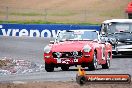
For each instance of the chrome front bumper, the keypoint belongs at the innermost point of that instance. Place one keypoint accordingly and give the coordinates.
(123, 48)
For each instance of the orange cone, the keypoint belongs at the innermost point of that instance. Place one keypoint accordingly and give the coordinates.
(81, 71)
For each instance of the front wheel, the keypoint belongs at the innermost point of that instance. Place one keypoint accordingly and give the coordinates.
(49, 67)
(107, 64)
(94, 64)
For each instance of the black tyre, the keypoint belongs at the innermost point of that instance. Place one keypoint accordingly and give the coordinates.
(49, 67)
(94, 64)
(65, 68)
(107, 64)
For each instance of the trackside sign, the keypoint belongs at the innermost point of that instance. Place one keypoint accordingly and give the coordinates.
(38, 30)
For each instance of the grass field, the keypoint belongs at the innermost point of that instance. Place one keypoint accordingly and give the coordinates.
(61, 11)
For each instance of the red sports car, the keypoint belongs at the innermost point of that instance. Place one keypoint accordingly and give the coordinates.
(77, 47)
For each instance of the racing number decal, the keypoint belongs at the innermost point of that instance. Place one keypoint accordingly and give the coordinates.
(103, 52)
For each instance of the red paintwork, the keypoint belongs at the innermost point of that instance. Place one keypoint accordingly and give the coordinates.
(129, 8)
(69, 46)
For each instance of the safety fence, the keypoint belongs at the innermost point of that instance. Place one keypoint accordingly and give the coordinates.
(88, 15)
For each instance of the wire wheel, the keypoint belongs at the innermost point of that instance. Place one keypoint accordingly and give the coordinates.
(107, 64)
(94, 64)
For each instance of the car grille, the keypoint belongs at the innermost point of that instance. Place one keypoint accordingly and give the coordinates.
(67, 54)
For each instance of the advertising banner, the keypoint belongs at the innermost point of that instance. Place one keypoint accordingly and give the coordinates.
(40, 30)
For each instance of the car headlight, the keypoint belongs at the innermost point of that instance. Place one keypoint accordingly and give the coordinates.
(87, 48)
(47, 49)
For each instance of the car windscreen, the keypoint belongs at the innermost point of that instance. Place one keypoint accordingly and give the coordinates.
(78, 35)
(119, 27)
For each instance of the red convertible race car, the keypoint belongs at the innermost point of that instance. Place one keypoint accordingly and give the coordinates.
(77, 47)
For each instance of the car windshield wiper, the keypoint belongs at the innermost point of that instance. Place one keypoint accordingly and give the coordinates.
(119, 32)
(79, 40)
(113, 33)
(125, 32)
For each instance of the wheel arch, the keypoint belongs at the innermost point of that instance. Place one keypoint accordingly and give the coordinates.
(95, 50)
(110, 54)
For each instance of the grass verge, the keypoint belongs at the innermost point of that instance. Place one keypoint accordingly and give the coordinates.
(46, 22)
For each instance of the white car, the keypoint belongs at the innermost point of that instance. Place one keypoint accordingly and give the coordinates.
(119, 33)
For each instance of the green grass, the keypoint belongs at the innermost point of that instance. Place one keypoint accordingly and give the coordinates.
(75, 12)
(27, 14)
(66, 13)
(23, 14)
(43, 22)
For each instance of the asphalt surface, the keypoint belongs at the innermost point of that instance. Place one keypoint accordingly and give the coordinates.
(32, 49)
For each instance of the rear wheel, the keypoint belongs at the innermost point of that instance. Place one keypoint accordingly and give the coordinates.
(49, 67)
(107, 64)
(94, 64)
(65, 68)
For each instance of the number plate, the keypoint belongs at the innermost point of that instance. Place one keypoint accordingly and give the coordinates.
(66, 61)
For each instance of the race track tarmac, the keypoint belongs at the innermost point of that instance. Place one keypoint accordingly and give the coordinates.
(31, 49)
